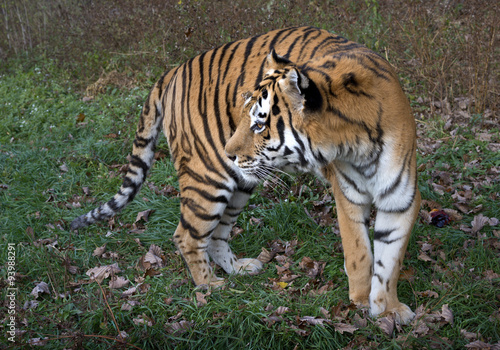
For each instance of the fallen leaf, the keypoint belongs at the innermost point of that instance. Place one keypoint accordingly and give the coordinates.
(179, 327)
(30, 304)
(144, 215)
(478, 344)
(102, 272)
(282, 285)
(40, 288)
(314, 321)
(143, 319)
(129, 292)
(152, 258)
(118, 282)
(99, 251)
(428, 294)
(343, 327)
(265, 256)
(200, 298)
(64, 168)
(281, 310)
(469, 335)
(38, 341)
(447, 314)
(129, 305)
(386, 324)
(478, 223)
(80, 118)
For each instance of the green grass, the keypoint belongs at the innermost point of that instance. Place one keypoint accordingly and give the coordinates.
(52, 145)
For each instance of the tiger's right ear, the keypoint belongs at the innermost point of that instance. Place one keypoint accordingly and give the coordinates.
(275, 61)
(246, 96)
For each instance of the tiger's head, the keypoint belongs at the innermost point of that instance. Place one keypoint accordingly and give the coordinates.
(271, 134)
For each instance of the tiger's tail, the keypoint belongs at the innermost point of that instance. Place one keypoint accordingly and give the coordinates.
(140, 162)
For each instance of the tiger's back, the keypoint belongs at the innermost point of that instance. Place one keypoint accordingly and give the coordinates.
(199, 104)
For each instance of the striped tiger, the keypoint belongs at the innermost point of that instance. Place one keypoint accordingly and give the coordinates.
(296, 99)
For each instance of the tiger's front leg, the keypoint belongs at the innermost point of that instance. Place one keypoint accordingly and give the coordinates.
(358, 260)
(392, 232)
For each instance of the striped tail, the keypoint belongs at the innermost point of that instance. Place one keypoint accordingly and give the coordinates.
(141, 160)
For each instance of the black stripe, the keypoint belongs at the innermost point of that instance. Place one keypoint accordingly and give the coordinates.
(390, 190)
(378, 234)
(206, 195)
(380, 279)
(217, 114)
(326, 42)
(139, 163)
(350, 181)
(241, 76)
(192, 231)
(230, 59)
(305, 41)
(142, 142)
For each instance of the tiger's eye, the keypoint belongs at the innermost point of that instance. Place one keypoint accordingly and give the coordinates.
(264, 94)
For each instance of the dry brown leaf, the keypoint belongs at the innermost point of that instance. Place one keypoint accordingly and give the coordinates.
(179, 327)
(281, 310)
(493, 222)
(425, 257)
(265, 256)
(387, 324)
(269, 321)
(129, 292)
(420, 329)
(143, 319)
(118, 282)
(478, 344)
(129, 305)
(344, 327)
(469, 335)
(447, 314)
(360, 322)
(99, 251)
(102, 272)
(200, 298)
(40, 288)
(38, 341)
(478, 223)
(64, 168)
(153, 258)
(144, 215)
(428, 294)
(314, 321)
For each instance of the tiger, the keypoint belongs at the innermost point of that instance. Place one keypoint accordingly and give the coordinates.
(296, 99)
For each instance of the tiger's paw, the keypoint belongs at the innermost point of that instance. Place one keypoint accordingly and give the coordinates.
(360, 302)
(402, 313)
(215, 282)
(247, 266)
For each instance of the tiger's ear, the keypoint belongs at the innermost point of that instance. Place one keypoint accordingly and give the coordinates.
(275, 61)
(246, 96)
(294, 84)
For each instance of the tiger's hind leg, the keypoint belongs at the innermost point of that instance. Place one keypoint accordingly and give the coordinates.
(392, 232)
(218, 247)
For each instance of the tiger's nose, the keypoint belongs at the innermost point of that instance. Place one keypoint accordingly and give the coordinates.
(231, 157)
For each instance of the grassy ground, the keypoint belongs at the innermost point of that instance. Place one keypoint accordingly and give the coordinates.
(61, 155)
